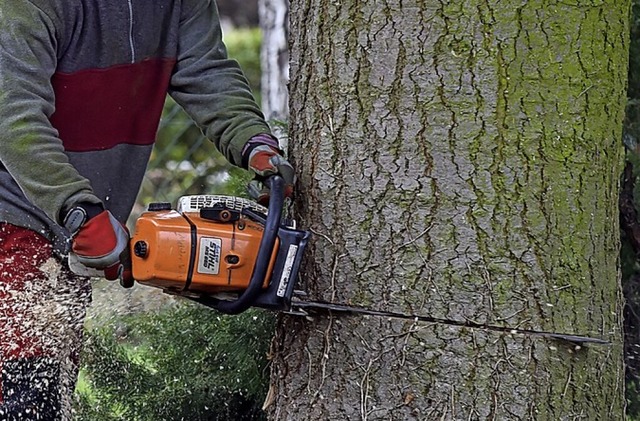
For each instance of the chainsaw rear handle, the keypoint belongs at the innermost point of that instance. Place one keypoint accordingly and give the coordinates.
(267, 244)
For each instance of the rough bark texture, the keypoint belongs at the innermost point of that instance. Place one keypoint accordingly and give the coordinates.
(459, 159)
(274, 57)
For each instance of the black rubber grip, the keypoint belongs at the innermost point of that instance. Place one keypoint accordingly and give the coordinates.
(267, 244)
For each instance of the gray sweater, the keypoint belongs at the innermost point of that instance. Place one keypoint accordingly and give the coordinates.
(82, 84)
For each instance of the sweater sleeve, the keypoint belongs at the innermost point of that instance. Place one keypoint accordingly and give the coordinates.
(30, 148)
(211, 87)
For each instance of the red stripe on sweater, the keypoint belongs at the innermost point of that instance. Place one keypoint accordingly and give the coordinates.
(97, 109)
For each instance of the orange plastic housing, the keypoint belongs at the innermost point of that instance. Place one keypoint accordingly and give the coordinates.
(186, 252)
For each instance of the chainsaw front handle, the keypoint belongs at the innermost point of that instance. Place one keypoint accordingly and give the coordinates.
(272, 224)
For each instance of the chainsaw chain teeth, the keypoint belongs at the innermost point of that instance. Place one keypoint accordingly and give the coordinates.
(197, 202)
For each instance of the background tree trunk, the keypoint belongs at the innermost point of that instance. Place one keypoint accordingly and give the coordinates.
(274, 22)
(458, 159)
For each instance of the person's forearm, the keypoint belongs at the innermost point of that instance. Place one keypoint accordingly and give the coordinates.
(211, 87)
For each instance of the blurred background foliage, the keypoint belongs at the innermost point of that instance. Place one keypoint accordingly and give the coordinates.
(184, 363)
(149, 356)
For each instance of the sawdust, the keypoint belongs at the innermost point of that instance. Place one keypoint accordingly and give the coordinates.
(49, 309)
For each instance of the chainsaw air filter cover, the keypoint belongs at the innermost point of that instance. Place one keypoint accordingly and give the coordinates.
(207, 245)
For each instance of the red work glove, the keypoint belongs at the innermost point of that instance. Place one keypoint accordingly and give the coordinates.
(102, 242)
(265, 159)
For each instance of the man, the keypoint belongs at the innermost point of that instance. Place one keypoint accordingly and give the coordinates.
(82, 84)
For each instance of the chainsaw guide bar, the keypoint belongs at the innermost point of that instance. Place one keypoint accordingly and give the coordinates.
(307, 308)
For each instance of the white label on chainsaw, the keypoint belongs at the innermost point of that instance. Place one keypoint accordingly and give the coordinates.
(286, 270)
(209, 256)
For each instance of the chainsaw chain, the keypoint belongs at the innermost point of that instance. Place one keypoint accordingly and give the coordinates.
(307, 308)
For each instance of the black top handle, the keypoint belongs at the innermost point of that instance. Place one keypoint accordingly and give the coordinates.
(267, 244)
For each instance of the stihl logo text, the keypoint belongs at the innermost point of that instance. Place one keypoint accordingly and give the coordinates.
(209, 256)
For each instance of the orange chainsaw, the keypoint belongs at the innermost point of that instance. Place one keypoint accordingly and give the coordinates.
(224, 252)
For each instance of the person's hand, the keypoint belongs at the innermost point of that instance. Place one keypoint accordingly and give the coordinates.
(266, 160)
(102, 242)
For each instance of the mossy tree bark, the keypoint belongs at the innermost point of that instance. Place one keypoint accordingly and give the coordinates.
(457, 159)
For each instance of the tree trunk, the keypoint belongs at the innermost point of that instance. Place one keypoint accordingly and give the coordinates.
(461, 160)
(274, 57)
